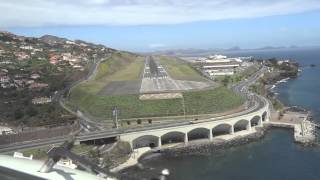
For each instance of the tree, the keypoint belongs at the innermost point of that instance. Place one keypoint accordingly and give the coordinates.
(31, 111)
(18, 114)
(226, 80)
(273, 61)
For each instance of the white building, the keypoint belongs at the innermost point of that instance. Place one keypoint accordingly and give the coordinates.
(41, 100)
(220, 71)
(219, 65)
(217, 56)
(26, 47)
(35, 76)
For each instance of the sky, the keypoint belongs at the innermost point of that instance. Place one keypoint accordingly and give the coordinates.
(149, 25)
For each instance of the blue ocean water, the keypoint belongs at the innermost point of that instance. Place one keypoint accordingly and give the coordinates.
(276, 157)
(304, 90)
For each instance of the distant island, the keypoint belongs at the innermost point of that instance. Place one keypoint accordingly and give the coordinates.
(205, 52)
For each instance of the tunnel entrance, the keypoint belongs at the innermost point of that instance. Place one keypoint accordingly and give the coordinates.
(100, 142)
(145, 141)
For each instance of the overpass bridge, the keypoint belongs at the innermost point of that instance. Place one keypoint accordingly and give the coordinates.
(207, 129)
(156, 135)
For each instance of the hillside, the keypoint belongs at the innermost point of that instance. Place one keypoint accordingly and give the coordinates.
(34, 72)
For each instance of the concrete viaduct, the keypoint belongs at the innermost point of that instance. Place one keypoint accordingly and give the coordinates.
(198, 130)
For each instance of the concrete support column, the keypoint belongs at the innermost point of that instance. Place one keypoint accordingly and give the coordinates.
(232, 130)
(249, 126)
(186, 138)
(159, 142)
(77, 142)
(260, 123)
(267, 117)
(210, 135)
(131, 144)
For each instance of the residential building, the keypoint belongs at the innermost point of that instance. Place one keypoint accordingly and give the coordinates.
(4, 79)
(35, 76)
(22, 56)
(41, 100)
(53, 58)
(38, 86)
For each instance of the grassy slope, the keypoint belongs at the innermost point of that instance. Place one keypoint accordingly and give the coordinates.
(198, 102)
(120, 67)
(211, 101)
(123, 66)
(86, 99)
(179, 69)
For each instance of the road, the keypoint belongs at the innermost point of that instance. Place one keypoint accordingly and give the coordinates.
(87, 125)
(254, 102)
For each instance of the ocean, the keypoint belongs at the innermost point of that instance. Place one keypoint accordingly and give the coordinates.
(274, 157)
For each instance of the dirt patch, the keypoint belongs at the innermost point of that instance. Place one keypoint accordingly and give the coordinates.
(160, 96)
(121, 88)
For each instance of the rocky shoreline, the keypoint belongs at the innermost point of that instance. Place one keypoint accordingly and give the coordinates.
(205, 148)
(209, 147)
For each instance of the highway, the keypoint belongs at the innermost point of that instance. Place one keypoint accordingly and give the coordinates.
(254, 103)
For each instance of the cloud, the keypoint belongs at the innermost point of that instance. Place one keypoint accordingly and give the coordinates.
(38, 13)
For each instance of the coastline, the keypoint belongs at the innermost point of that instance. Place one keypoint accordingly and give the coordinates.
(209, 147)
(284, 80)
(195, 148)
(206, 147)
